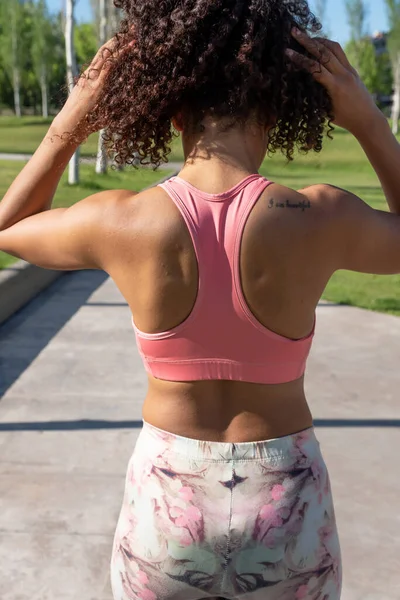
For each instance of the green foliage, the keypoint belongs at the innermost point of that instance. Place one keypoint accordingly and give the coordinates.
(374, 69)
(384, 85)
(39, 52)
(37, 46)
(85, 43)
(42, 43)
(361, 53)
(14, 30)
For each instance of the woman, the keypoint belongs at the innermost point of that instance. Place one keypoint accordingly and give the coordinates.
(227, 493)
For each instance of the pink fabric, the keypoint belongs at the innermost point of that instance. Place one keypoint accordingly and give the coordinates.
(221, 339)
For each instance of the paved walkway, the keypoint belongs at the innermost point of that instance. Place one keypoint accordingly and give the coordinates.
(72, 387)
(175, 166)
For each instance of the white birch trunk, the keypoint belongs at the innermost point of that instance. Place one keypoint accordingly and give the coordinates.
(113, 22)
(101, 161)
(17, 95)
(396, 97)
(113, 19)
(72, 71)
(15, 66)
(43, 89)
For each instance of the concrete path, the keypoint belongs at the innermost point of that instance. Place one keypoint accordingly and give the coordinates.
(175, 166)
(72, 386)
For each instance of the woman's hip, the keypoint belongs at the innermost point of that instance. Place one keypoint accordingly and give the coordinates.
(227, 519)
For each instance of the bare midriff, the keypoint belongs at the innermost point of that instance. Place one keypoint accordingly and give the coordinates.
(227, 411)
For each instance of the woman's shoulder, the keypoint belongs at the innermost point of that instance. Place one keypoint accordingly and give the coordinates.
(319, 201)
(311, 202)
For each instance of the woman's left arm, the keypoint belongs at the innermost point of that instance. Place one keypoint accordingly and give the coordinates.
(33, 189)
(69, 238)
(60, 238)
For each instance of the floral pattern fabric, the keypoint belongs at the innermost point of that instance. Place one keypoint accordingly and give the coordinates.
(247, 521)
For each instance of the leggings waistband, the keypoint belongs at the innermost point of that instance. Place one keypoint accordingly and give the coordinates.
(288, 448)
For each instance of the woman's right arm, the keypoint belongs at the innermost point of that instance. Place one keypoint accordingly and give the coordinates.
(383, 152)
(358, 237)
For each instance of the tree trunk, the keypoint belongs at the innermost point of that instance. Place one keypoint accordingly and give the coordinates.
(17, 94)
(396, 97)
(73, 169)
(101, 161)
(43, 89)
(72, 71)
(113, 20)
(15, 66)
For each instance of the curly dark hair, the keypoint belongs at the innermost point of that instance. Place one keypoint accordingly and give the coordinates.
(224, 58)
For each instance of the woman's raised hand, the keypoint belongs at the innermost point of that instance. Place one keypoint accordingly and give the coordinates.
(353, 106)
(89, 87)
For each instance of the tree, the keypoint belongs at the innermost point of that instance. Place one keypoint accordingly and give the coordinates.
(114, 19)
(42, 50)
(356, 17)
(361, 53)
(385, 76)
(113, 16)
(11, 46)
(113, 22)
(356, 11)
(101, 161)
(6, 91)
(86, 43)
(366, 54)
(393, 8)
(107, 19)
(58, 70)
(72, 72)
(32, 63)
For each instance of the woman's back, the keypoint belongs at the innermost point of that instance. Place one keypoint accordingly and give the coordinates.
(284, 267)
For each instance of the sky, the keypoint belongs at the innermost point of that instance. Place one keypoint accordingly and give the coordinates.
(336, 17)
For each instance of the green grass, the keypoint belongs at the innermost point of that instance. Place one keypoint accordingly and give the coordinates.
(23, 136)
(341, 163)
(90, 184)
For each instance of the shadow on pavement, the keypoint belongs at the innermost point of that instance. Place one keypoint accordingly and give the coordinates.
(29, 331)
(88, 424)
(77, 424)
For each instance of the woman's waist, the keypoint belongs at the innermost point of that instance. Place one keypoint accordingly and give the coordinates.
(170, 452)
(224, 411)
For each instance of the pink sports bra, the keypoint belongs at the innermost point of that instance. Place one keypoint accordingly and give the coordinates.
(221, 338)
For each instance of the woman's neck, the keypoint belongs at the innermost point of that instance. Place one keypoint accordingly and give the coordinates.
(238, 151)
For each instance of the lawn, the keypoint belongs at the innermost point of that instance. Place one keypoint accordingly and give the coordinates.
(341, 163)
(23, 136)
(91, 183)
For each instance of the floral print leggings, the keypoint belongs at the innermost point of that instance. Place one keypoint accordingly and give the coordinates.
(247, 521)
